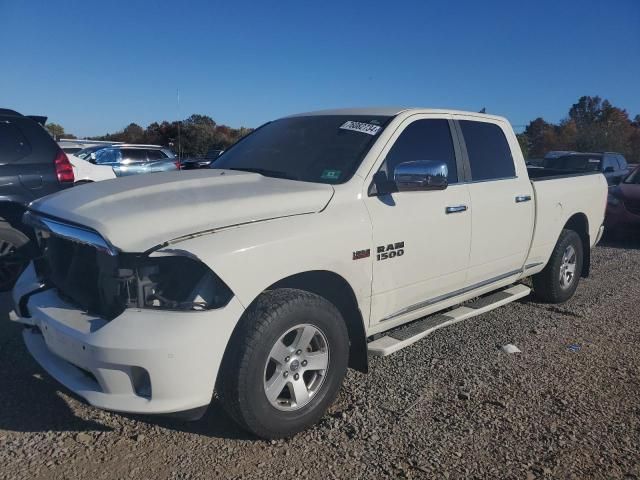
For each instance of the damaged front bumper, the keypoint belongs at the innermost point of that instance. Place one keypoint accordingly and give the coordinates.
(143, 361)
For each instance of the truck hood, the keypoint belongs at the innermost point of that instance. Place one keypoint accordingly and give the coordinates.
(139, 212)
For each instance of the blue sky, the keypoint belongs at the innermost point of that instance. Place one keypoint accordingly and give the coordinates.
(96, 66)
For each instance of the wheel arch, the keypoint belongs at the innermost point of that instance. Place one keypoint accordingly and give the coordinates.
(336, 290)
(579, 223)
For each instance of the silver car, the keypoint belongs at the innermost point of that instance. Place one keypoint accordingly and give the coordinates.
(130, 159)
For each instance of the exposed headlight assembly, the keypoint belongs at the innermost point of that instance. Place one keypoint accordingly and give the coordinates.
(172, 283)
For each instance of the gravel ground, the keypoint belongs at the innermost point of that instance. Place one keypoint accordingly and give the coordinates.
(453, 405)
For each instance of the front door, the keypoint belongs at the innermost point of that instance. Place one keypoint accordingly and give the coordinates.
(421, 239)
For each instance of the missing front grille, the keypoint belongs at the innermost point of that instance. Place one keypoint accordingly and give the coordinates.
(82, 276)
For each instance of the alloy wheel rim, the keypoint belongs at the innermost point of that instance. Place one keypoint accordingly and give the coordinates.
(568, 267)
(296, 367)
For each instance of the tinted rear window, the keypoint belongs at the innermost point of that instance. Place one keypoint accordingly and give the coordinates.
(13, 144)
(488, 150)
(155, 155)
(584, 163)
(134, 155)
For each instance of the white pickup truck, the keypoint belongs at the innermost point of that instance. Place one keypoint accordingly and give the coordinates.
(316, 240)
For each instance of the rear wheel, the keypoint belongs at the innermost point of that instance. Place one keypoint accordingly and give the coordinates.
(12, 259)
(286, 363)
(559, 280)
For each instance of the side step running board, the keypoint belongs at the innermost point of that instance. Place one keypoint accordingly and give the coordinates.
(408, 334)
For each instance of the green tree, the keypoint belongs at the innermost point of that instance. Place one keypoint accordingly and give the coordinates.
(56, 130)
(541, 136)
(523, 140)
(566, 134)
(133, 133)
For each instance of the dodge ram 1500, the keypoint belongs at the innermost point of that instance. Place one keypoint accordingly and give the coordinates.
(315, 241)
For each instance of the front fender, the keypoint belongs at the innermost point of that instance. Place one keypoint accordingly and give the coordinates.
(252, 257)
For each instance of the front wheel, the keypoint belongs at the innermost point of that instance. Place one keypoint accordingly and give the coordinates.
(558, 281)
(285, 364)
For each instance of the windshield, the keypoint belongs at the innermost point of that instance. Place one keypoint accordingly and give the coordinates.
(586, 163)
(634, 177)
(317, 148)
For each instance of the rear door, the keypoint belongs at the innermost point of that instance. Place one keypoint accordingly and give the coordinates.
(502, 216)
(134, 161)
(421, 239)
(158, 161)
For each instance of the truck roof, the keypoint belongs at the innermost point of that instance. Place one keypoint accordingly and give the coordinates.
(393, 111)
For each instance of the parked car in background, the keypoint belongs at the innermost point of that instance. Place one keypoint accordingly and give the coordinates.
(534, 162)
(131, 159)
(558, 153)
(70, 147)
(623, 204)
(612, 165)
(32, 165)
(316, 240)
(204, 162)
(73, 145)
(86, 172)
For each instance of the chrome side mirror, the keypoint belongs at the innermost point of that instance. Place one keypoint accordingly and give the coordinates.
(421, 175)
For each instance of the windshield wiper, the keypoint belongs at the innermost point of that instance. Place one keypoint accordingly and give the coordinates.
(266, 173)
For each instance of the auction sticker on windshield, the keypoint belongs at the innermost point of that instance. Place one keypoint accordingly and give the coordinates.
(367, 128)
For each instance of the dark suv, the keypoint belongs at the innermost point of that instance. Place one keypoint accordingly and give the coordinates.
(612, 165)
(201, 162)
(32, 165)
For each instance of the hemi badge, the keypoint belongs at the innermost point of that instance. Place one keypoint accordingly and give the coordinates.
(361, 254)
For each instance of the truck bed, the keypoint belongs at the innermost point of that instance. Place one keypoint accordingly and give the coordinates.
(556, 199)
(537, 174)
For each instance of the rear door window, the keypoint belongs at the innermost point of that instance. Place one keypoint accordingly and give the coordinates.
(13, 144)
(488, 150)
(136, 155)
(428, 139)
(155, 155)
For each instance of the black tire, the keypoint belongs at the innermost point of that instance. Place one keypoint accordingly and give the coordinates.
(547, 284)
(13, 245)
(245, 366)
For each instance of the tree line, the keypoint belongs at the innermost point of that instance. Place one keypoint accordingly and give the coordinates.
(592, 125)
(192, 137)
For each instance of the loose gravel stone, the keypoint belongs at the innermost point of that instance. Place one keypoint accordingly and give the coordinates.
(549, 412)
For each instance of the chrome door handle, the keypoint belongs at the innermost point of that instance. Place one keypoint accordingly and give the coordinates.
(455, 209)
(523, 198)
